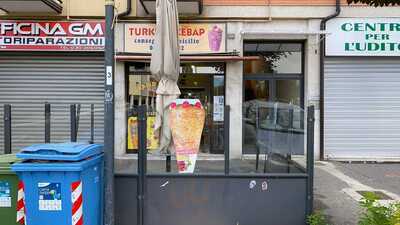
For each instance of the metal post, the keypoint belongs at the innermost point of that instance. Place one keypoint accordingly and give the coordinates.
(310, 159)
(109, 218)
(267, 161)
(78, 115)
(73, 122)
(91, 123)
(290, 135)
(168, 163)
(142, 158)
(47, 122)
(7, 129)
(257, 158)
(257, 146)
(226, 138)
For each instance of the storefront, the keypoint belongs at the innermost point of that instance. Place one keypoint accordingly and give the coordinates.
(202, 76)
(246, 66)
(57, 62)
(261, 78)
(361, 84)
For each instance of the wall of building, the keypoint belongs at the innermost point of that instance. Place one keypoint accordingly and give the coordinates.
(81, 8)
(290, 16)
(234, 72)
(283, 15)
(271, 2)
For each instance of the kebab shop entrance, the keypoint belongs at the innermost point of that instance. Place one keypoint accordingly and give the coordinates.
(201, 80)
(202, 76)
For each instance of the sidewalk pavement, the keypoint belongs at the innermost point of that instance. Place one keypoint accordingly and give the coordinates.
(336, 183)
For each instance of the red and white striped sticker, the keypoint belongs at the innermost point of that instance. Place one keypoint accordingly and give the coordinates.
(21, 204)
(77, 203)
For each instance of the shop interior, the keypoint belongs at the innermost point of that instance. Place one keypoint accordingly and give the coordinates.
(203, 81)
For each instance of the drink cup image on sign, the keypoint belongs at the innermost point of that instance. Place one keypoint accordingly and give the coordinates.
(215, 38)
(187, 121)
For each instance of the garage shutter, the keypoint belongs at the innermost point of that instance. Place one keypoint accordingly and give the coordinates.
(27, 82)
(362, 108)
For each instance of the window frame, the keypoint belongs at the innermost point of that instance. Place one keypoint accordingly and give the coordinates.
(146, 72)
(271, 78)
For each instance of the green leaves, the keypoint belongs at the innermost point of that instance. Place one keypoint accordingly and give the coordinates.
(376, 3)
(376, 214)
(317, 218)
(373, 213)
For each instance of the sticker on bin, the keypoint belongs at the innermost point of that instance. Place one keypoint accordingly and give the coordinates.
(50, 196)
(5, 194)
(77, 201)
(21, 204)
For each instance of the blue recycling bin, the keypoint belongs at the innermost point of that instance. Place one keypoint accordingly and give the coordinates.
(63, 183)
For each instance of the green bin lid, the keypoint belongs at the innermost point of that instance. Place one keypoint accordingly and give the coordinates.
(7, 160)
(5, 163)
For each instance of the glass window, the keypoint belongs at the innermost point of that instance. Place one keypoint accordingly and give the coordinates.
(288, 91)
(203, 68)
(203, 81)
(275, 58)
(186, 68)
(272, 99)
(256, 94)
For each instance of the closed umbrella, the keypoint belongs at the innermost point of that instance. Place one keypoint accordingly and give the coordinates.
(165, 66)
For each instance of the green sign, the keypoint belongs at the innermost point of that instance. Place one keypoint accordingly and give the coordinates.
(363, 37)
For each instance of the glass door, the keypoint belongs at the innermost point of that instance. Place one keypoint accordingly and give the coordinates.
(272, 93)
(256, 94)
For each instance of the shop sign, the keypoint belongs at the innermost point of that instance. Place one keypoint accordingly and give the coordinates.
(52, 35)
(363, 37)
(193, 38)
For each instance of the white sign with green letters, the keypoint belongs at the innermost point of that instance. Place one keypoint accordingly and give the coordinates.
(363, 37)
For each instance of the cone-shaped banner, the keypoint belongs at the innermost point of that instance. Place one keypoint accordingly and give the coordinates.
(187, 122)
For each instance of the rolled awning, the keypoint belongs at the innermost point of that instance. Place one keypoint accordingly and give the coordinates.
(187, 7)
(191, 58)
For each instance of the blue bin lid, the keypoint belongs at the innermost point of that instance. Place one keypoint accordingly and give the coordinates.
(60, 152)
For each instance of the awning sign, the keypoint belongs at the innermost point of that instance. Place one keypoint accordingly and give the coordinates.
(193, 38)
(52, 35)
(363, 37)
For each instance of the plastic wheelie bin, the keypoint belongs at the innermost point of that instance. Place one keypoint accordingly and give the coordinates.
(8, 190)
(63, 183)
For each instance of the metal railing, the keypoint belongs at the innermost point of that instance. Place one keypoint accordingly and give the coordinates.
(142, 160)
(75, 112)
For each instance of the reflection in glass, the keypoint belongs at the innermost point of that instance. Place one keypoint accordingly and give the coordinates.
(282, 58)
(272, 123)
(275, 127)
(288, 91)
(203, 68)
(256, 92)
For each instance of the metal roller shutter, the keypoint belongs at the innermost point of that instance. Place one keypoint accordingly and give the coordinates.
(362, 108)
(28, 81)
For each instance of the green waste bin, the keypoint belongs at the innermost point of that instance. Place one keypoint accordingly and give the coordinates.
(8, 190)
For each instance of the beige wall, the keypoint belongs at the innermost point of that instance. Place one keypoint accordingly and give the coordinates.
(272, 2)
(83, 8)
(94, 7)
